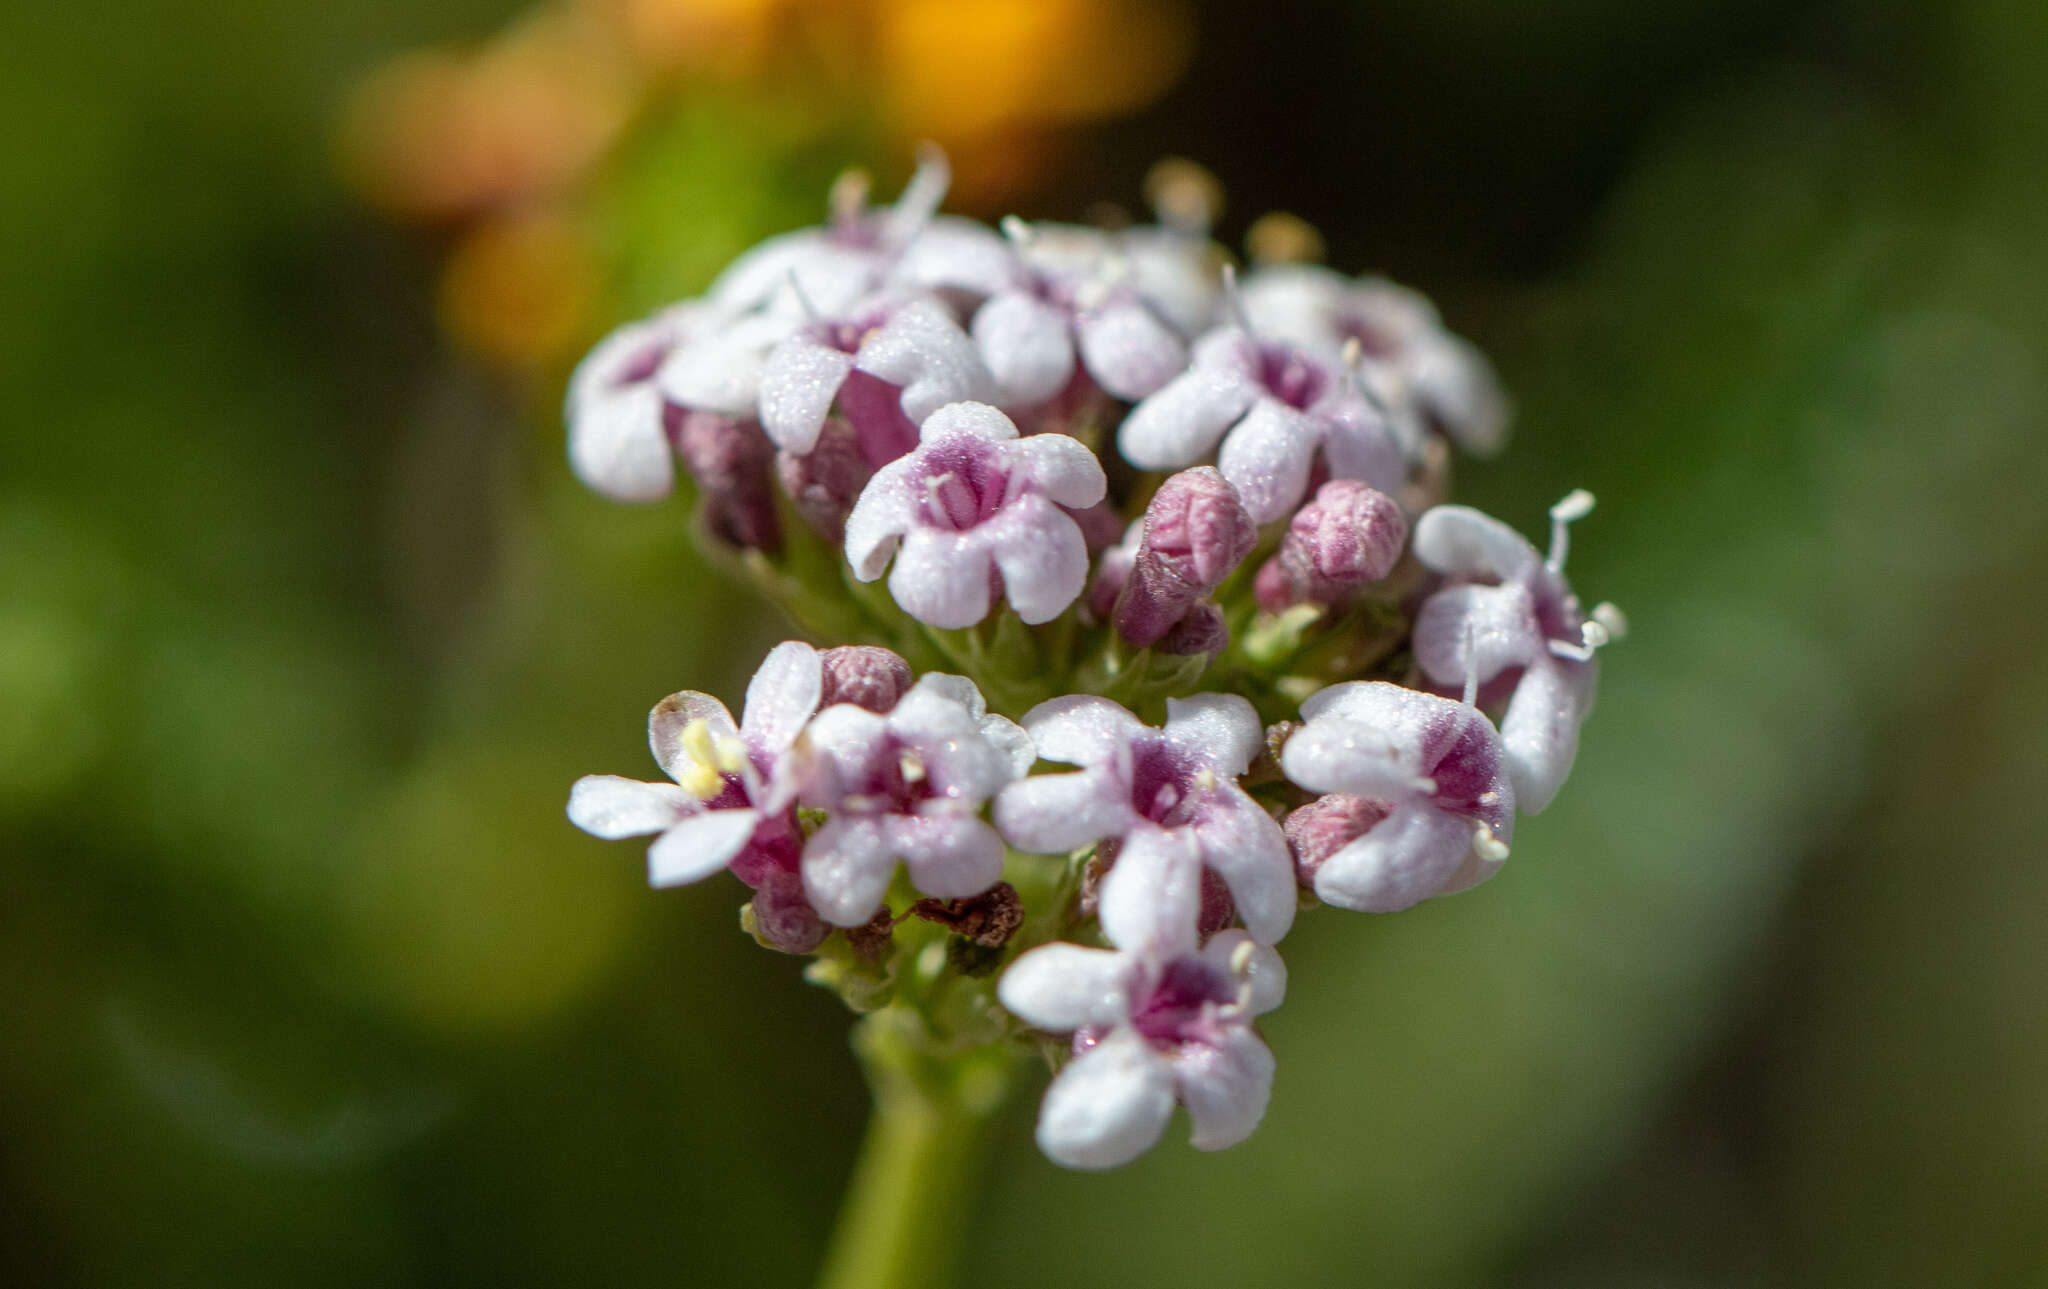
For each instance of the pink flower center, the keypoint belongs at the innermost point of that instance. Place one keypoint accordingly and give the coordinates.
(1291, 376)
(1175, 1009)
(965, 484)
(1162, 781)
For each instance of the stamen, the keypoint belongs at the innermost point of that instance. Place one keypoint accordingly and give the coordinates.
(1235, 302)
(1278, 237)
(912, 766)
(1241, 958)
(1488, 846)
(1576, 505)
(1612, 620)
(1205, 780)
(921, 197)
(1020, 233)
(849, 199)
(702, 779)
(803, 301)
(1184, 196)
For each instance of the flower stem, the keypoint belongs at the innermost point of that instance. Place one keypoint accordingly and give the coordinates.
(911, 1194)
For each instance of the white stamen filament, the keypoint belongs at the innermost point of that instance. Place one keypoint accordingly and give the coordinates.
(1577, 504)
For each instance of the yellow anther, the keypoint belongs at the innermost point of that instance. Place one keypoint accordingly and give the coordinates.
(701, 779)
(912, 766)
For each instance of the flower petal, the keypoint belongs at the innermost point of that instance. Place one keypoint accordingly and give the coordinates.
(847, 866)
(1540, 730)
(1081, 729)
(1263, 968)
(1061, 467)
(671, 716)
(607, 806)
(1360, 442)
(1130, 350)
(1225, 1087)
(884, 511)
(976, 418)
(1062, 987)
(1051, 814)
(1152, 893)
(1222, 729)
(1400, 861)
(699, 846)
(1249, 852)
(940, 578)
(1108, 1106)
(1042, 556)
(797, 388)
(783, 694)
(950, 855)
(617, 446)
(923, 350)
(1477, 631)
(1267, 457)
(1463, 542)
(1027, 345)
(1180, 423)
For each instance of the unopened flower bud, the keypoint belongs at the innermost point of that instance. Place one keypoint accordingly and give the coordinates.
(731, 462)
(1196, 533)
(824, 483)
(783, 919)
(1200, 630)
(1325, 826)
(1348, 536)
(864, 675)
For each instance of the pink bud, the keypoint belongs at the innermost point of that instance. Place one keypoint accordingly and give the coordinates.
(824, 483)
(1197, 529)
(1348, 536)
(864, 675)
(1196, 532)
(1200, 630)
(1325, 826)
(785, 919)
(731, 462)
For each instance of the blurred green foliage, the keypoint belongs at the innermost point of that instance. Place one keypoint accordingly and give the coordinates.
(303, 634)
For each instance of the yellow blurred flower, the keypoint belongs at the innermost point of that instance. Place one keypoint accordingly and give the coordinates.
(440, 134)
(520, 289)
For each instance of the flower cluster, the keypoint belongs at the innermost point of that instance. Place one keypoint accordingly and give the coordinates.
(1175, 634)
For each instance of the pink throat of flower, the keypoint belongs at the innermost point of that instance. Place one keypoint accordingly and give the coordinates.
(964, 484)
(1291, 376)
(1178, 1007)
(1163, 783)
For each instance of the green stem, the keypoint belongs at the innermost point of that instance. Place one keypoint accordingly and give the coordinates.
(912, 1191)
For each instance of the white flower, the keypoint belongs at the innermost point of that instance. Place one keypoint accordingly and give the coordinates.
(1401, 341)
(1075, 296)
(1156, 1020)
(618, 444)
(906, 785)
(729, 804)
(888, 363)
(1169, 796)
(974, 509)
(1441, 809)
(1273, 406)
(1508, 613)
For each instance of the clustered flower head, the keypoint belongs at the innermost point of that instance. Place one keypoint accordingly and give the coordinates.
(1150, 626)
